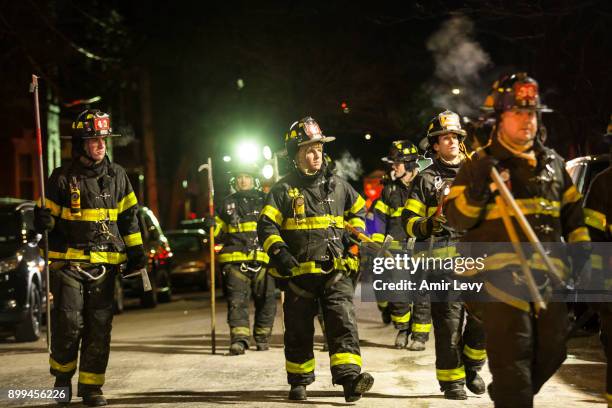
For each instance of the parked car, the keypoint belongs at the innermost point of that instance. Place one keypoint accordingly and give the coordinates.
(22, 279)
(583, 170)
(160, 262)
(191, 261)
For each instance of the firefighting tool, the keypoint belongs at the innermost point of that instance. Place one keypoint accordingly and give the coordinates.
(146, 283)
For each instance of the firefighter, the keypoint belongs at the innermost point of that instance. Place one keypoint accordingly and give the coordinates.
(302, 229)
(244, 262)
(91, 213)
(460, 353)
(598, 218)
(403, 158)
(524, 348)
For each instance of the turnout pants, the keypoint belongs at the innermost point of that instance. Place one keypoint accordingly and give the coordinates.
(414, 316)
(457, 348)
(605, 315)
(241, 283)
(82, 317)
(524, 351)
(303, 295)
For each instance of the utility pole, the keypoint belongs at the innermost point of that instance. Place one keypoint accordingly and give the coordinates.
(149, 143)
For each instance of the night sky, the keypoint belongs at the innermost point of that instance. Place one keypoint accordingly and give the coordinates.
(394, 67)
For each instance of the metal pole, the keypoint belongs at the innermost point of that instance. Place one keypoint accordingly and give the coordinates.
(211, 212)
(41, 177)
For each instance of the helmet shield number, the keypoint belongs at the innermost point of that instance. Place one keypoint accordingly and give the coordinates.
(450, 121)
(102, 124)
(312, 130)
(526, 93)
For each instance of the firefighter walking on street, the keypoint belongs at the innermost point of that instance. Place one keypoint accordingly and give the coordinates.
(244, 262)
(524, 347)
(406, 317)
(598, 218)
(91, 213)
(460, 353)
(302, 229)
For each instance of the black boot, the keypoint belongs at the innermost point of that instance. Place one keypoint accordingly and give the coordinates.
(64, 395)
(297, 393)
(354, 387)
(263, 346)
(474, 382)
(454, 391)
(385, 314)
(401, 340)
(92, 396)
(416, 345)
(237, 348)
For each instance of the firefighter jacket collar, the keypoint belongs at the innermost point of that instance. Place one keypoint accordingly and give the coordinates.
(94, 170)
(543, 156)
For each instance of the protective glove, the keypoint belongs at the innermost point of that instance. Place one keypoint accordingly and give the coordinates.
(137, 259)
(284, 260)
(480, 176)
(43, 220)
(433, 225)
(209, 222)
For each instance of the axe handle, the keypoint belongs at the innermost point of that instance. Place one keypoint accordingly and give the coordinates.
(361, 237)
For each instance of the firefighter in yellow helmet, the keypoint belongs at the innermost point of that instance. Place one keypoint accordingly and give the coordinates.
(302, 229)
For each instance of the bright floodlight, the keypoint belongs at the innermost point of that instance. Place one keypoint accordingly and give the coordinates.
(267, 152)
(248, 152)
(227, 158)
(368, 136)
(268, 171)
(456, 91)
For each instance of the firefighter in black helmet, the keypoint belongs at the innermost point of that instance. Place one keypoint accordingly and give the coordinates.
(91, 214)
(460, 352)
(244, 261)
(524, 347)
(404, 159)
(302, 229)
(598, 218)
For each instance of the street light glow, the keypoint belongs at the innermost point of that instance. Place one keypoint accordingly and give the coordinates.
(268, 171)
(456, 91)
(368, 136)
(267, 152)
(248, 152)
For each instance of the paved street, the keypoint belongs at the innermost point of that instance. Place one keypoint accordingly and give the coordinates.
(162, 358)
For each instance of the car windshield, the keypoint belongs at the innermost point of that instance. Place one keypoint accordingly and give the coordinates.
(184, 243)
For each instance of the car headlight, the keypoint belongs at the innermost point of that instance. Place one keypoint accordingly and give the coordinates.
(10, 264)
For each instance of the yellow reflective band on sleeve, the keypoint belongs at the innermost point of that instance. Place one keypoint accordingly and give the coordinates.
(464, 208)
(243, 257)
(410, 225)
(421, 327)
(382, 207)
(127, 202)
(62, 368)
(377, 237)
(382, 305)
(594, 219)
(243, 227)
(345, 358)
(133, 239)
(91, 378)
(357, 206)
(71, 254)
(56, 210)
(452, 374)
(416, 207)
(219, 225)
(357, 223)
(431, 211)
(273, 214)
(271, 240)
(596, 261)
(528, 206)
(397, 212)
(400, 319)
(474, 354)
(320, 222)
(503, 259)
(580, 234)
(240, 331)
(297, 368)
(570, 196)
(91, 214)
(455, 192)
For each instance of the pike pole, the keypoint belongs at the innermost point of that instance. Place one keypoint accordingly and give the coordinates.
(41, 177)
(211, 242)
(282, 293)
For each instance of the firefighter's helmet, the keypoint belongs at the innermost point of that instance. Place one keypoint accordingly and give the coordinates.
(442, 123)
(517, 91)
(402, 151)
(92, 123)
(303, 132)
(250, 169)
